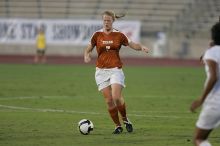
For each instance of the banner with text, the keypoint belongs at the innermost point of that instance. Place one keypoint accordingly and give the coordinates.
(63, 32)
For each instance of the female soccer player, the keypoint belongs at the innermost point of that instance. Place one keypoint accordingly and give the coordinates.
(109, 75)
(209, 117)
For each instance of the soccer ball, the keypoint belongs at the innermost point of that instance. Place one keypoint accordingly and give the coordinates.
(85, 126)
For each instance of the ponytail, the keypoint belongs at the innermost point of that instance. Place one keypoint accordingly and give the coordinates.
(120, 15)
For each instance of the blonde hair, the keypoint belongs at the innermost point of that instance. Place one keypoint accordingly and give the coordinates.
(113, 15)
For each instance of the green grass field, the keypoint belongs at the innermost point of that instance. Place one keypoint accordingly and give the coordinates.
(40, 105)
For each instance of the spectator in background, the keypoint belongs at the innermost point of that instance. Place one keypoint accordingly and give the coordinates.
(40, 56)
(185, 47)
(160, 45)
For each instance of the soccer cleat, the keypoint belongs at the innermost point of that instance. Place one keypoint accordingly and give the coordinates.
(118, 130)
(128, 126)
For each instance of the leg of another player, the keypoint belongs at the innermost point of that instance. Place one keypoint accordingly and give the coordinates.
(43, 58)
(201, 136)
(36, 58)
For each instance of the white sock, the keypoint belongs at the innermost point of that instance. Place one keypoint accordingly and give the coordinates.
(205, 143)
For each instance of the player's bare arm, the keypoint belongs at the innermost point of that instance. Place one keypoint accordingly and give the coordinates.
(210, 84)
(87, 53)
(138, 47)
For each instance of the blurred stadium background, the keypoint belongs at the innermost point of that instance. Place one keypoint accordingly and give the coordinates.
(184, 23)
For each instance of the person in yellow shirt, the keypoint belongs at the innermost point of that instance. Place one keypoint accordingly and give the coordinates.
(40, 56)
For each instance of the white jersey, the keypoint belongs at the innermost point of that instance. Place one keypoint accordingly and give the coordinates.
(213, 53)
(209, 117)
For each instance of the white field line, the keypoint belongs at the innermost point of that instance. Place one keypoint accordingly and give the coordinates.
(34, 97)
(162, 111)
(47, 110)
(90, 113)
(64, 96)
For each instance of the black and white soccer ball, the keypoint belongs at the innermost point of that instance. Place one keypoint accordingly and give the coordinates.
(85, 126)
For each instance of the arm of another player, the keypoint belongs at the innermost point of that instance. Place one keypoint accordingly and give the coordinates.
(138, 47)
(208, 87)
(87, 53)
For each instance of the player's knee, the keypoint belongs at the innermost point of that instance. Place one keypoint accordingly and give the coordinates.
(110, 103)
(205, 143)
(201, 142)
(118, 101)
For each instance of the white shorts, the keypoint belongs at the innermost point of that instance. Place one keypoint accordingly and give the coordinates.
(209, 117)
(107, 77)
